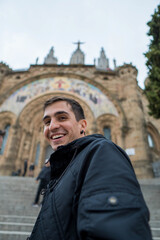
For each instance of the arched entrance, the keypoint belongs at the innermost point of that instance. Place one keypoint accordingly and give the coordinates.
(27, 104)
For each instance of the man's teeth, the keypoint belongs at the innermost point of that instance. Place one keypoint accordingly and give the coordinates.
(57, 136)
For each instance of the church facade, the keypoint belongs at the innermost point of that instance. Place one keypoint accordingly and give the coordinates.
(114, 105)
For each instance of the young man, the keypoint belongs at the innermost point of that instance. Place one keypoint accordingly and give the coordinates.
(94, 193)
(2, 133)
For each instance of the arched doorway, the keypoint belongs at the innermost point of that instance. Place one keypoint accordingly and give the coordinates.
(27, 103)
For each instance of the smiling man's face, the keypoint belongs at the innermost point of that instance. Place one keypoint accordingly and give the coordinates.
(60, 124)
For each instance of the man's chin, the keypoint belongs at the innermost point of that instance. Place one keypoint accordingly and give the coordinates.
(56, 146)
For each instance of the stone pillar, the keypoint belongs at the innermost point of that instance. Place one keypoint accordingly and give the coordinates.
(136, 134)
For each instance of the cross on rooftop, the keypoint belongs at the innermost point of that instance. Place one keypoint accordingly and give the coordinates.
(78, 44)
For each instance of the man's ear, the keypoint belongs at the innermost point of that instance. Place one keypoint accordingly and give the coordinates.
(83, 124)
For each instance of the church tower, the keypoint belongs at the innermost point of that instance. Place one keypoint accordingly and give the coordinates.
(78, 56)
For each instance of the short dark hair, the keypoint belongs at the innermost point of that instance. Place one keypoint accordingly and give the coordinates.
(75, 106)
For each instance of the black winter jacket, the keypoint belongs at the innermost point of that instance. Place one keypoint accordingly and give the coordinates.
(93, 195)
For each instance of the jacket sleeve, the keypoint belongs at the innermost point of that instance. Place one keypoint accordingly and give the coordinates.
(111, 205)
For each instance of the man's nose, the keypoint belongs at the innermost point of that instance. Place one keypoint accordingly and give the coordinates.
(53, 125)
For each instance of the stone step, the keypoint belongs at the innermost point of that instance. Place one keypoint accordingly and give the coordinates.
(20, 210)
(155, 232)
(154, 216)
(13, 235)
(16, 226)
(155, 223)
(155, 228)
(17, 216)
(18, 196)
(17, 219)
(151, 192)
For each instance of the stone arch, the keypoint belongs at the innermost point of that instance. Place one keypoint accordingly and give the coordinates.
(53, 73)
(28, 130)
(67, 75)
(98, 101)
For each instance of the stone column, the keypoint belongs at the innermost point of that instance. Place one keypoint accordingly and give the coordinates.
(136, 134)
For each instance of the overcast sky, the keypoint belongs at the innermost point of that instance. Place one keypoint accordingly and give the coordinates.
(29, 28)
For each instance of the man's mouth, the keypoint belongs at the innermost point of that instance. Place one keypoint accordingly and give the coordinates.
(57, 136)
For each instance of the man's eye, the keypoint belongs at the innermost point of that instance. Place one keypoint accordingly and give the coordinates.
(62, 118)
(46, 123)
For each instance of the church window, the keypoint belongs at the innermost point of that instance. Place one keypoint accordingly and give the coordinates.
(151, 141)
(5, 138)
(107, 132)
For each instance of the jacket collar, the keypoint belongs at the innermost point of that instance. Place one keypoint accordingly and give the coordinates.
(65, 154)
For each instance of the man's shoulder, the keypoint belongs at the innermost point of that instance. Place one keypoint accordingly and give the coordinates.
(98, 140)
(98, 143)
(94, 138)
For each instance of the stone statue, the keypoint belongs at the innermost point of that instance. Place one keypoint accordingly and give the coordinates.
(50, 59)
(103, 61)
(77, 56)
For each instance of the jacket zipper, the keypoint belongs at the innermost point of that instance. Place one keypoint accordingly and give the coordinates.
(52, 188)
(57, 181)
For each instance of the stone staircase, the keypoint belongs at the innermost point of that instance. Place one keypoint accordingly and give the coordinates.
(17, 215)
(151, 192)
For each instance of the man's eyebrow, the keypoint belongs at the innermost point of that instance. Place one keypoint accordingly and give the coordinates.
(57, 113)
(45, 117)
